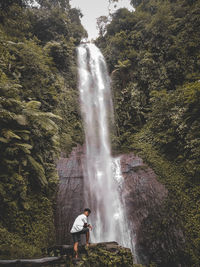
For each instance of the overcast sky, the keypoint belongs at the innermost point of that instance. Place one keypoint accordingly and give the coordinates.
(92, 9)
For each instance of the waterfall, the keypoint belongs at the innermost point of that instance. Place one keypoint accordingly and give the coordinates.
(103, 181)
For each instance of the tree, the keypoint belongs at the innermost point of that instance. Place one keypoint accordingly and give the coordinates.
(102, 22)
(136, 3)
(5, 4)
(153, 56)
(63, 4)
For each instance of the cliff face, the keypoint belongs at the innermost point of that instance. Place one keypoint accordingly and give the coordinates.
(142, 192)
(70, 201)
(143, 196)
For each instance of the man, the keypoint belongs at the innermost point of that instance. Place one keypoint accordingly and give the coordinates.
(80, 227)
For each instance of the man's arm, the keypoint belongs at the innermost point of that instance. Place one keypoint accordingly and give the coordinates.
(86, 224)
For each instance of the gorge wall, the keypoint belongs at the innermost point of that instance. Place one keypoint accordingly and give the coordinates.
(70, 201)
(143, 195)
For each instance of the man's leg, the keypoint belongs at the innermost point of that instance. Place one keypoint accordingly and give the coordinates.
(76, 239)
(76, 249)
(87, 237)
(86, 232)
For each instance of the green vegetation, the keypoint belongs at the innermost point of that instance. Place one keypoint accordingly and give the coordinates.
(39, 117)
(176, 224)
(153, 57)
(101, 255)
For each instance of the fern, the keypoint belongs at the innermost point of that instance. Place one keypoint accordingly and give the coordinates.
(9, 134)
(4, 140)
(24, 147)
(39, 171)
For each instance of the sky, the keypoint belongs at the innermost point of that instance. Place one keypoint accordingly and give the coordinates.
(92, 9)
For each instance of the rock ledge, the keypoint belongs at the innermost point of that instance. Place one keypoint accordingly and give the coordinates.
(98, 255)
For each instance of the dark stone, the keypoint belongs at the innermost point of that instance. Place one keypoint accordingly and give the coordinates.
(142, 191)
(144, 197)
(30, 262)
(8, 262)
(70, 201)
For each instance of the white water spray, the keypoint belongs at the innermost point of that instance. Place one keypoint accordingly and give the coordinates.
(102, 175)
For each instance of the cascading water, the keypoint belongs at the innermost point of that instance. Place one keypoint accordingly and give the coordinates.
(103, 180)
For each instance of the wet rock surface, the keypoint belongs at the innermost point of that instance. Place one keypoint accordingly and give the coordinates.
(30, 262)
(70, 201)
(142, 191)
(144, 196)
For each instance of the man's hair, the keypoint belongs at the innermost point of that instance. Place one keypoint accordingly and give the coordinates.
(87, 210)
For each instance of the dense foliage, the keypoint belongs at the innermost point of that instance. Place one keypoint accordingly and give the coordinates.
(39, 116)
(153, 57)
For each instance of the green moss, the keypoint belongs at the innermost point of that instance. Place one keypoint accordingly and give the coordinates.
(13, 246)
(100, 256)
(26, 231)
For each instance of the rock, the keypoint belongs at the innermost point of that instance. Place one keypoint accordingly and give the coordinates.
(70, 201)
(8, 262)
(30, 262)
(60, 250)
(143, 196)
(157, 237)
(98, 254)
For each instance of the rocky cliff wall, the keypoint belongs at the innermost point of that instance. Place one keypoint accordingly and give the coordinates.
(142, 192)
(70, 201)
(144, 196)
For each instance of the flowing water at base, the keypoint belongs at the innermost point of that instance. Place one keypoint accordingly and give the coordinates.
(103, 180)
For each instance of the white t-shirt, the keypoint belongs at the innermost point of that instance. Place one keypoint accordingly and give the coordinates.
(79, 223)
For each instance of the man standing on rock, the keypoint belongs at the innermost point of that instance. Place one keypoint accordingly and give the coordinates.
(80, 227)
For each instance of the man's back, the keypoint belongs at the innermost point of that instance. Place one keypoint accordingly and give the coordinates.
(79, 223)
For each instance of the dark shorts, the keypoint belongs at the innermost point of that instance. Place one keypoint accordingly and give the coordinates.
(77, 236)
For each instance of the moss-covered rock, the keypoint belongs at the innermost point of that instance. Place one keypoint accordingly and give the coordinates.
(98, 255)
(106, 255)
